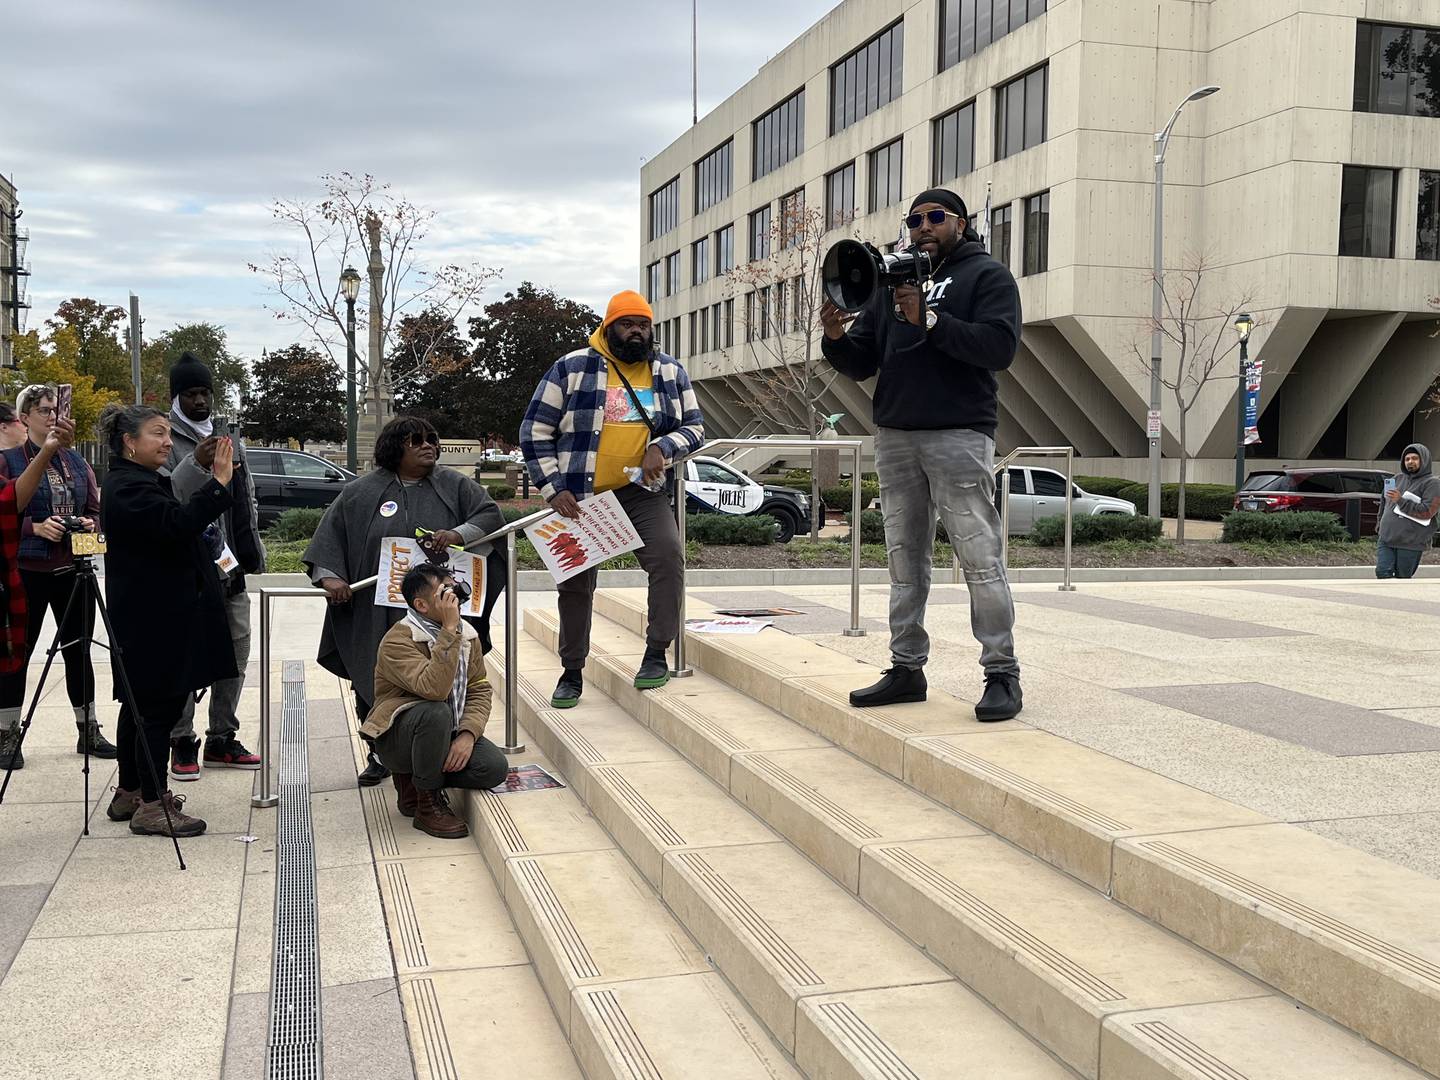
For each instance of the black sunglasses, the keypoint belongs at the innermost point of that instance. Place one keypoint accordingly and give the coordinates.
(935, 217)
(418, 440)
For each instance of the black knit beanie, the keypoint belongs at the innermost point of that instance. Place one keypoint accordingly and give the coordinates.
(941, 197)
(188, 373)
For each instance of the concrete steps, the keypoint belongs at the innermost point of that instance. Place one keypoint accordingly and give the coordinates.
(1070, 966)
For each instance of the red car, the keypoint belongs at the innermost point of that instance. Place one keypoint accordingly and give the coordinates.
(1352, 495)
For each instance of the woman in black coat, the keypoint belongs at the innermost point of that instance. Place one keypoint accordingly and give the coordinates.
(166, 610)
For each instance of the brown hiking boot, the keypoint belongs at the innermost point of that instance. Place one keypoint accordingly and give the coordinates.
(434, 816)
(123, 806)
(404, 793)
(149, 819)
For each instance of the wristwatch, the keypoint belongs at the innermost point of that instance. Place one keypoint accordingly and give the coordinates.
(931, 318)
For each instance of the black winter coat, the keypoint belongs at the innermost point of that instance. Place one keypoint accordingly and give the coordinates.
(160, 583)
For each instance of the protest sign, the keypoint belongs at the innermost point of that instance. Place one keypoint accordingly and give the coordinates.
(569, 547)
(397, 555)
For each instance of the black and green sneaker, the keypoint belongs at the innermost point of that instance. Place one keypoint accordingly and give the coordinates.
(654, 670)
(568, 690)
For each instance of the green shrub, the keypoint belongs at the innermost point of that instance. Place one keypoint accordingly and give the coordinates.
(1286, 527)
(797, 478)
(1105, 485)
(872, 527)
(753, 530)
(500, 492)
(299, 523)
(1203, 502)
(838, 498)
(283, 556)
(1050, 531)
(515, 513)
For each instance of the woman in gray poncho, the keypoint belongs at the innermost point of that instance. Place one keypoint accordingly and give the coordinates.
(407, 490)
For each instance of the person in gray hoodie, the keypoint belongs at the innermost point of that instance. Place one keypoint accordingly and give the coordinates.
(1407, 519)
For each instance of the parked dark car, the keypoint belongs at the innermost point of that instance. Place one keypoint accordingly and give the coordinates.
(285, 479)
(1352, 495)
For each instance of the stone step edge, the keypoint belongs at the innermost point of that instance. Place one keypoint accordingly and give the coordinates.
(1391, 980)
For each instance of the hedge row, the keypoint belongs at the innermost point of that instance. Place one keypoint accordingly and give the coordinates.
(1104, 485)
(1050, 531)
(299, 523)
(1203, 502)
(839, 498)
(752, 530)
(1290, 527)
(500, 492)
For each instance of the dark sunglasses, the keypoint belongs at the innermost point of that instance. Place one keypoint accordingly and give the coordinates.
(935, 217)
(417, 440)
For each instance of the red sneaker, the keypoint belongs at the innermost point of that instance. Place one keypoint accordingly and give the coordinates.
(184, 759)
(229, 754)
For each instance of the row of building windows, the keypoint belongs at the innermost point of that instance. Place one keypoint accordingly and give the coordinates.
(868, 79)
(709, 328)
(1368, 199)
(1035, 252)
(967, 26)
(710, 256)
(664, 209)
(713, 176)
(1397, 69)
(778, 137)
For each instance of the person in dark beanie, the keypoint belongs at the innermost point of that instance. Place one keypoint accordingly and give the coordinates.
(1407, 517)
(195, 434)
(936, 353)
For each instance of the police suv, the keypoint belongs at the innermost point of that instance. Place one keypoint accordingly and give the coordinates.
(712, 487)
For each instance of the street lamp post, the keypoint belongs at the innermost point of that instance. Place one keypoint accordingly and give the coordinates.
(1157, 294)
(1243, 325)
(350, 287)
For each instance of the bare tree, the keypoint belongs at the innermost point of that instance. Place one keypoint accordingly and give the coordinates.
(332, 232)
(780, 373)
(1200, 332)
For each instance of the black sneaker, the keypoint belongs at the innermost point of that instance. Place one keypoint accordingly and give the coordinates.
(229, 753)
(568, 690)
(100, 746)
(373, 773)
(897, 684)
(10, 755)
(654, 670)
(1002, 699)
(185, 759)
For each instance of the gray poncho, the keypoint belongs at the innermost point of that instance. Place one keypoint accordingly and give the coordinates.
(347, 543)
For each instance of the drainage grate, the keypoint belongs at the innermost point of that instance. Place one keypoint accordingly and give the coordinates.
(294, 1050)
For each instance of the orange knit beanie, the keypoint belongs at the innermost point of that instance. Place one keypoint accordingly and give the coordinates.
(625, 303)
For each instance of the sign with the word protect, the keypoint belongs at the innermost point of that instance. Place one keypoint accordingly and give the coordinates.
(398, 555)
(568, 547)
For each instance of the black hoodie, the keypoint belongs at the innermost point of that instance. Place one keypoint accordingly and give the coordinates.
(943, 378)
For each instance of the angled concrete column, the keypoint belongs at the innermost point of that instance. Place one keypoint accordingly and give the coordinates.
(1398, 379)
(1327, 373)
(1031, 416)
(1059, 406)
(1073, 359)
(719, 421)
(1009, 433)
(855, 402)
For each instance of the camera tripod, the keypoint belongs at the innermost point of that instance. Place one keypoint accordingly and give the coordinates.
(85, 546)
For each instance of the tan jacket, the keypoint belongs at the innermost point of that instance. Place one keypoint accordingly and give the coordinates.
(407, 673)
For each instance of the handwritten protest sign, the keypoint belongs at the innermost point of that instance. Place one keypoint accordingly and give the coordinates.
(397, 555)
(571, 547)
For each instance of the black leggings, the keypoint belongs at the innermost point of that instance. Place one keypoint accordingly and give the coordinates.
(158, 716)
(52, 590)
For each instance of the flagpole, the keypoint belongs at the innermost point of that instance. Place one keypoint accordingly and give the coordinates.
(694, 62)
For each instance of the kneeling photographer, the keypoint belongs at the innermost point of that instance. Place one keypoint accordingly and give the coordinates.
(432, 700)
(166, 607)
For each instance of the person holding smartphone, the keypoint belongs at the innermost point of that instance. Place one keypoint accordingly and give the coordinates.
(68, 497)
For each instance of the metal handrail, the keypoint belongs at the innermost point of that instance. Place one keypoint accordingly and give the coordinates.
(681, 670)
(1003, 468)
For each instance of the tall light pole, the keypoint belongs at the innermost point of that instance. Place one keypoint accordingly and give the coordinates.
(1243, 325)
(1157, 294)
(350, 287)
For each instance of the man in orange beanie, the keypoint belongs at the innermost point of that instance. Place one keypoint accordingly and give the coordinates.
(614, 417)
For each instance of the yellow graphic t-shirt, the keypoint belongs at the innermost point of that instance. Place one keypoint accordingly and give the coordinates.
(625, 436)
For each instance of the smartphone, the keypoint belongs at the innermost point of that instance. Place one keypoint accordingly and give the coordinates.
(64, 395)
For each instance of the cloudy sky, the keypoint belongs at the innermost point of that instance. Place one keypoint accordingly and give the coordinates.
(148, 137)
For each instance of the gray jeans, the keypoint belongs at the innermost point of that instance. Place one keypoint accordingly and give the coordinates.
(948, 473)
(654, 520)
(225, 694)
(418, 740)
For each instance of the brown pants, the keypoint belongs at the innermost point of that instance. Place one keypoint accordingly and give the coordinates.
(660, 558)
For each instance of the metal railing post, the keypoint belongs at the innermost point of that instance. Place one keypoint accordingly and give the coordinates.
(856, 512)
(682, 670)
(1069, 513)
(1005, 516)
(265, 798)
(513, 745)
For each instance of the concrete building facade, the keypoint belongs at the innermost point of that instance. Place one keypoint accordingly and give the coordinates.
(1310, 182)
(14, 272)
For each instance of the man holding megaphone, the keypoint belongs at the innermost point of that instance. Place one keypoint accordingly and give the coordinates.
(935, 343)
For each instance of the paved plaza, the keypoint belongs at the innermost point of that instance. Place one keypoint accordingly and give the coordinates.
(1312, 703)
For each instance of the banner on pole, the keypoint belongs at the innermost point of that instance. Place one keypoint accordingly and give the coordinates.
(1253, 372)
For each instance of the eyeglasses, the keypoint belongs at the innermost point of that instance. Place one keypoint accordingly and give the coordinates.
(935, 217)
(44, 410)
(417, 440)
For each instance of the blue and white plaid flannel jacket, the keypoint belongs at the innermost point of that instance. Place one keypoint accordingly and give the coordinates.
(560, 434)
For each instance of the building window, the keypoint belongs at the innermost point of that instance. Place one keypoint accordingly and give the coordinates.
(675, 336)
(868, 79)
(672, 273)
(886, 187)
(952, 141)
(715, 324)
(779, 136)
(967, 26)
(1367, 212)
(700, 261)
(1001, 226)
(729, 323)
(764, 312)
(749, 317)
(724, 249)
(760, 233)
(1397, 70)
(796, 301)
(664, 209)
(713, 176)
(1427, 222)
(782, 309)
(1037, 234)
(840, 197)
(652, 282)
(1020, 113)
(792, 218)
